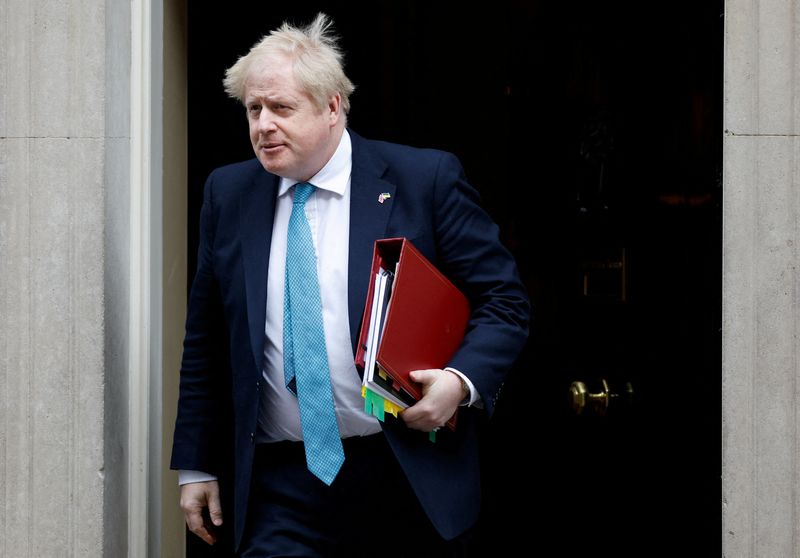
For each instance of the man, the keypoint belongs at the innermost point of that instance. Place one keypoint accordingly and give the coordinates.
(317, 476)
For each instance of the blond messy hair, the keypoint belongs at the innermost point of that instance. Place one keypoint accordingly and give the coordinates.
(317, 61)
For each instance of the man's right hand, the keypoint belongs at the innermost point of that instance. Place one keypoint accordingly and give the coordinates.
(201, 508)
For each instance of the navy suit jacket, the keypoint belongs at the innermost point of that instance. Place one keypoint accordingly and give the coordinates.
(431, 204)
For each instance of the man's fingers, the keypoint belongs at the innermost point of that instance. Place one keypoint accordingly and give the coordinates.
(442, 393)
(197, 501)
(205, 531)
(423, 416)
(199, 525)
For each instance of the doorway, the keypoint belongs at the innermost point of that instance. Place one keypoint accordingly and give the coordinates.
(593, 132)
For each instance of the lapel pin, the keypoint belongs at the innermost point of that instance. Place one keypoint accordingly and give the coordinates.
(383, 197)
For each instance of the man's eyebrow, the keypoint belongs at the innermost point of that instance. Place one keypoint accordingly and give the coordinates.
(276, 98)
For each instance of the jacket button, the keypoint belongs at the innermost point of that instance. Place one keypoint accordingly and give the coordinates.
(252, 437)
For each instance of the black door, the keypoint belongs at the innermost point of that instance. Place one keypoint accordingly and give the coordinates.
(593, 132)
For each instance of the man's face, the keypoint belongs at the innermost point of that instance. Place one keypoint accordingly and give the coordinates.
(291, 136)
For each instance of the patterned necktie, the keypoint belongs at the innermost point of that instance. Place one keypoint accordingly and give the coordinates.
(305, 358)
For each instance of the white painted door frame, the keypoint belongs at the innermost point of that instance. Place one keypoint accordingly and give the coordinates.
(145, 310)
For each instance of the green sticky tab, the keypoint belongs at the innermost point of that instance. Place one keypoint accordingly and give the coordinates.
(378, 406)
(432, 436)
(373, 404)
(367, 403)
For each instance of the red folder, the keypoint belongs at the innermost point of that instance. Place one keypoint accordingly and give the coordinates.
(426, 317)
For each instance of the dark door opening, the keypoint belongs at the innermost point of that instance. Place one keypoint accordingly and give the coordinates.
(593, 131)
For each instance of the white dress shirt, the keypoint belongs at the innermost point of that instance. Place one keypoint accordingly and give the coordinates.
(328, 214)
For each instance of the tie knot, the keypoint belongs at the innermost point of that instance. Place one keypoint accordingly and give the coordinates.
(303, 191)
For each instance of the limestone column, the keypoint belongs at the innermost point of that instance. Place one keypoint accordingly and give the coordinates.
(63, 192)
(760, 279)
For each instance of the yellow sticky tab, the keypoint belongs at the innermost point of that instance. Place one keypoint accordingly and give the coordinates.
(391, 408)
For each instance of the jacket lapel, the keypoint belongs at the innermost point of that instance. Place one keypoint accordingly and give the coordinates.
(257, 211)
(368, 220)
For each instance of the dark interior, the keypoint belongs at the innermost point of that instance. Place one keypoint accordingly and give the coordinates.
(593, 131)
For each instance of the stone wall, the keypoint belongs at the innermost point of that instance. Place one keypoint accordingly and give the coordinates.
(63, 156)
(760, 279)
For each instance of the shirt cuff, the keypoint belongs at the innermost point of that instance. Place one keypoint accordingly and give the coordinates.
(474, 398)
(188, 477)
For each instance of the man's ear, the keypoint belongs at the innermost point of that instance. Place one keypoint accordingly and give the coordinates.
(335, 108)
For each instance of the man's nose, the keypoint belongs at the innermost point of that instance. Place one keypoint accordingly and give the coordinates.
(266, 121)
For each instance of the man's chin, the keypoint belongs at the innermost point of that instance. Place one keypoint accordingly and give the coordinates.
(270, 165)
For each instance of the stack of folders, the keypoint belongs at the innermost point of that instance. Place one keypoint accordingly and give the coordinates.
(376, 379)
(414, 319)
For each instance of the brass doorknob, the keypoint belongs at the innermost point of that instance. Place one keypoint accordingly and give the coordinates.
(581, 399)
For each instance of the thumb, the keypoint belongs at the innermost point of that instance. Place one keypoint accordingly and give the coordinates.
(214, 507)
(422, 376)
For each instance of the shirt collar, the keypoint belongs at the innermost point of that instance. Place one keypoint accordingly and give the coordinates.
(334, 175)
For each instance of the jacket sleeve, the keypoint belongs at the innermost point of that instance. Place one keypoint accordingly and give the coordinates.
(204, 398)
(470, 252)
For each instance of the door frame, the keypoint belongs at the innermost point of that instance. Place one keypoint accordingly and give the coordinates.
(147, 304)
(157, 300)
(145, 300)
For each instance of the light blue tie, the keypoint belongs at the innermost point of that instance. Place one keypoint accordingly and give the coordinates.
(305, 358)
